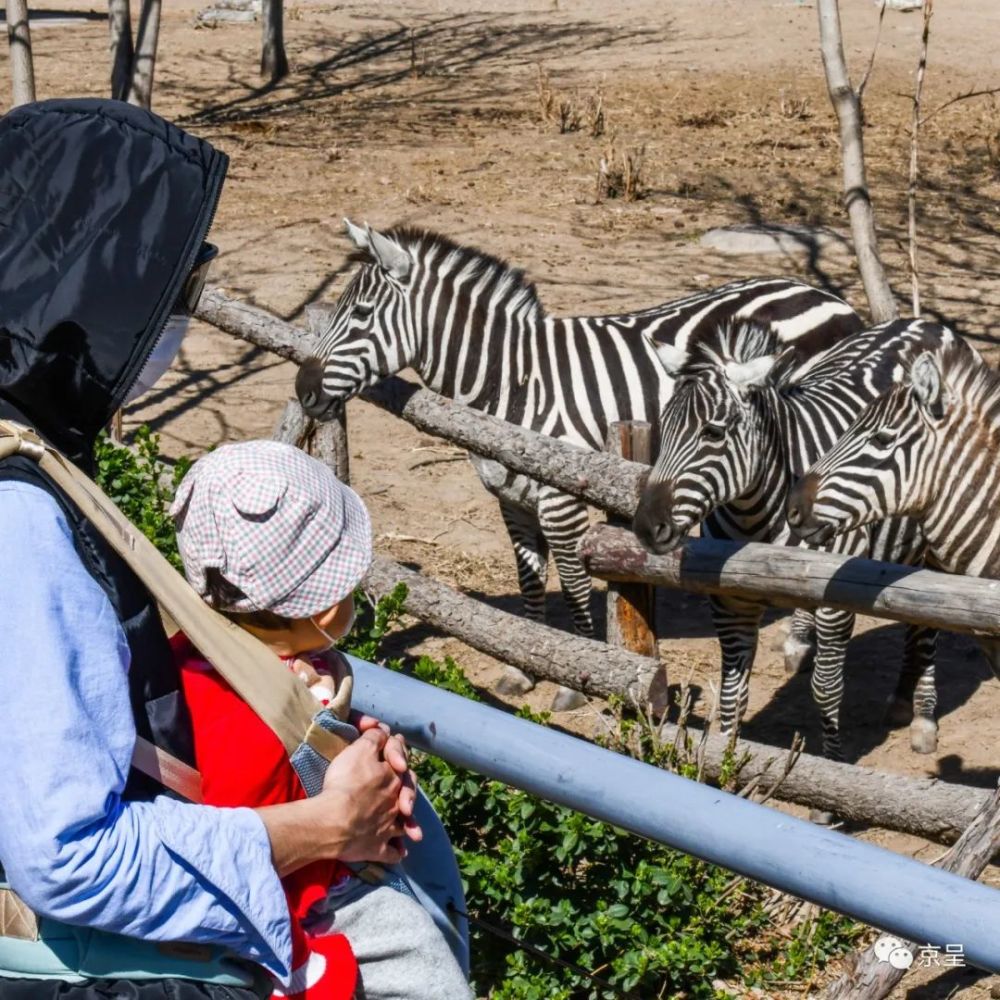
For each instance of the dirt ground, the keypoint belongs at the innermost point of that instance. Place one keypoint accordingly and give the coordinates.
(430, 112)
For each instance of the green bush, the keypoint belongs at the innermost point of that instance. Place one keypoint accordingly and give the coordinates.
(142, 486)
(562, 906)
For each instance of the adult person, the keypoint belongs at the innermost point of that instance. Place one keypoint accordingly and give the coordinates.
(104, 212)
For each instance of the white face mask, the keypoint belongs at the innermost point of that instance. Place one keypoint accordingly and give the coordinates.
(161, 358)
(330, 640)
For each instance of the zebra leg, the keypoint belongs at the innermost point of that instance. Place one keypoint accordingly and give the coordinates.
(531, 553)
(833, 632)
(915, 698)
(738, 625)
(800, 646)
(564, 520)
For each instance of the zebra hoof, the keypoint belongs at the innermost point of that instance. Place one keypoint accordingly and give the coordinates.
(923, 735)
(566, 700)
(798, 655)
(899, 712)
(514, 682)
(821, 817)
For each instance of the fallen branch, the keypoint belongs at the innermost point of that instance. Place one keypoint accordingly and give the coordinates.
(800, 578)
(867, 976)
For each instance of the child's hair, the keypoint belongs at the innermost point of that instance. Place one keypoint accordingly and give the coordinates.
(222, 594)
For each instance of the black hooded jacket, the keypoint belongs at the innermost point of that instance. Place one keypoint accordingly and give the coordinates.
(103, 208)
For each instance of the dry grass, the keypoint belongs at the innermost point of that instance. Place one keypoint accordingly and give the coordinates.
(619, 172)
(570, 113)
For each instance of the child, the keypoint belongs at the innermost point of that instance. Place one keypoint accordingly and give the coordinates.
(271, 538)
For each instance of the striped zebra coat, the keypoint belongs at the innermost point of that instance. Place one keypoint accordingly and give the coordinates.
(747, 418)
(474, 330)
(926, 449)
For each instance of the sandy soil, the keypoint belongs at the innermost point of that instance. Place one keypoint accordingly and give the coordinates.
(430, 112)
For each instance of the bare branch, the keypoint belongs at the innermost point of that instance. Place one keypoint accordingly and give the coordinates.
(988, 92)
(911, 194)
(856, 198)
(871, 62)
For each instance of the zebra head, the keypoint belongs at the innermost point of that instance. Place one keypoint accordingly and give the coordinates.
(370, 334)
(709, 437)
(881, 466)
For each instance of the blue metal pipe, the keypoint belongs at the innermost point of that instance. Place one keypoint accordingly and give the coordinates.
(896, 894)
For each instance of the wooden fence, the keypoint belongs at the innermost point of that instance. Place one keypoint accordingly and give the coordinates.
(783, 576)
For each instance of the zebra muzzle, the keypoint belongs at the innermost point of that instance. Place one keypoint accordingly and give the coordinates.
(315, 400)
(801, 515)
(653, 524)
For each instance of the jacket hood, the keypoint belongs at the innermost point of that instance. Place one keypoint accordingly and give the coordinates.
(103, 208)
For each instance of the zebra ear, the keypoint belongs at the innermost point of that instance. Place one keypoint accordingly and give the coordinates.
(389, 255)
(928, 386)
(746, 375)
(672, 358)
(357, 235)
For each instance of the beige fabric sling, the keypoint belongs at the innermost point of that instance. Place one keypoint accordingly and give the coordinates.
(256, 674)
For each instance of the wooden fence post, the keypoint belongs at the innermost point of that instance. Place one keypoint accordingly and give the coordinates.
(632, 606)
(329, 441)
(22, 70)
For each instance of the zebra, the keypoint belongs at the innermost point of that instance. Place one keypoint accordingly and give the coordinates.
(474, 330)
(926, 449)
(746, 418)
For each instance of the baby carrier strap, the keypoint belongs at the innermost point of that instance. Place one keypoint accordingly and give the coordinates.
(311, 737)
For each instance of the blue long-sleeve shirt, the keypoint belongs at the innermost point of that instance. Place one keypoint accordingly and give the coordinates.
(71, 847)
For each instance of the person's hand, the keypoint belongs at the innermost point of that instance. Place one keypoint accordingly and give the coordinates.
(397, 756)
(361, 791)
(356, 816)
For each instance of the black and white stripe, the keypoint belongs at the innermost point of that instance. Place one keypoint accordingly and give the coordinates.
(747, 418)
(927, 448)
(474, 330)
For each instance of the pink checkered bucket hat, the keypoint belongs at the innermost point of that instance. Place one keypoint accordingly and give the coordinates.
(277, 524)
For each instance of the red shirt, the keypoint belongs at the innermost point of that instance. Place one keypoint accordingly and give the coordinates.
(243, 763)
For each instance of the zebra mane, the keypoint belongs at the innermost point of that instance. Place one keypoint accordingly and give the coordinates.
(420, 242)
(733, 341)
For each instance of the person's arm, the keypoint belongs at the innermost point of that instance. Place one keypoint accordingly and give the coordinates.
(70, 846)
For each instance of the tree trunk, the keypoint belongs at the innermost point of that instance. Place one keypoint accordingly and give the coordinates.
(582, 664)
(856, 197)
(866, 976)
(606, 482)
(147, 36)
(120, 25)
(800, 578)
(273, 62)
(22, 70)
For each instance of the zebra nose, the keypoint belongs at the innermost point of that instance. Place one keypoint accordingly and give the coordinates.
(800, 500)
(317, 403)
(652, 524)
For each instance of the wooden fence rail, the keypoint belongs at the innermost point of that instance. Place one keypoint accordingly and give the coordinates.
(800, 578)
